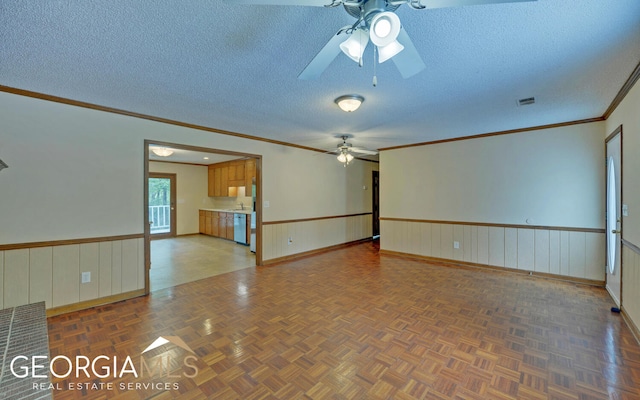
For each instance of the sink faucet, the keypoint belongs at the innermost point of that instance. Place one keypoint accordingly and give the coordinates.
(241, 206)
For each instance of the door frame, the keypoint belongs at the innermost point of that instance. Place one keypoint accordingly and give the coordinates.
(146, 228)
(375, 203)
(613, 135)
(173, 178)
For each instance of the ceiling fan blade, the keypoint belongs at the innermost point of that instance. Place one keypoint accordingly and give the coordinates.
(459, 3)
(322, 60)
(316, 3)
(364, 151)
(408, 60)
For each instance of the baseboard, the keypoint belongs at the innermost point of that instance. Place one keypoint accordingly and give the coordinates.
(83, 305)
(458, 263)
(613, 296)
(314, 252)
(632, 327)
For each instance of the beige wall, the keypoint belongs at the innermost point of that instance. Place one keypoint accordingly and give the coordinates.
(627, 114)
(76, 173)
(549, 178)
(308, 235)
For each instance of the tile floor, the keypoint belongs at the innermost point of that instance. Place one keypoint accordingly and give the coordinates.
(190, 258)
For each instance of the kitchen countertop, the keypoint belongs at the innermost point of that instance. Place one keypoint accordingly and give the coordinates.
(228, 210)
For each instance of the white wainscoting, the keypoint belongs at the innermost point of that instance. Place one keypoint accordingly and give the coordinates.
(313, 234)
(571, 253)
(631, 284)
(53, 273)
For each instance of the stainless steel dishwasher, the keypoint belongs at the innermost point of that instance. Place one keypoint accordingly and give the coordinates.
(240, 228)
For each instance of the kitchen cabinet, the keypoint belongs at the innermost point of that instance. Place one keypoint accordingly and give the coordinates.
(229, 222)
(236, 173)
(249, 175)
(225, 178)
(207, 224)
(221, 224)
(215, 223)
(218, 180)
(201, 221)
(211, 182)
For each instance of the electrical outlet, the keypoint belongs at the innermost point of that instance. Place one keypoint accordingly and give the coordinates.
(456, 245)
(289, 241)
(86, 277)
(266, 204)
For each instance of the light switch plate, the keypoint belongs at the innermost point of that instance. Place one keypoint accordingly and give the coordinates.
(625, 210)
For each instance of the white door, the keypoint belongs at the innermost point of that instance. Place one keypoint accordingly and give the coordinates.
(614, 215)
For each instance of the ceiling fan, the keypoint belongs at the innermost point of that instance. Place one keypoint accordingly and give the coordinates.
(345, 149)
(375, 21)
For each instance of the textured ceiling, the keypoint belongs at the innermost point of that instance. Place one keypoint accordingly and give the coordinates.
(234, 67)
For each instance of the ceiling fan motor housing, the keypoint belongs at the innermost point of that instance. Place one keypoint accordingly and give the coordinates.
(368, 9)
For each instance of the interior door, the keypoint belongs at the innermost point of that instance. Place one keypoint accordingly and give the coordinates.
(614, 215)
(162, 205)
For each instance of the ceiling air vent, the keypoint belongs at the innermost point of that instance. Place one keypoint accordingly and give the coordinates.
(527, 101)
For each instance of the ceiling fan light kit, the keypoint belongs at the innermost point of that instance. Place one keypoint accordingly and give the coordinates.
(345, 157)
(349, 102)
(376, 21)
(355, 45)
(345, 150)
(385, 28)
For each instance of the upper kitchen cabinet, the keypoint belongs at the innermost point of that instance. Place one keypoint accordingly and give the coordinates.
(226, 177)
(236, 173)
(249, 174)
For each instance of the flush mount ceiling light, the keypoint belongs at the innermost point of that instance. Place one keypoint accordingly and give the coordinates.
(162, 151)
(349, 102)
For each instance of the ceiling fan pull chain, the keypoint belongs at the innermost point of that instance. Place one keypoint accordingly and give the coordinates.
(360, 62)
(375, 78)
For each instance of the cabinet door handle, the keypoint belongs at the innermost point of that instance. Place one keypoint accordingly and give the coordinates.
(615, 231)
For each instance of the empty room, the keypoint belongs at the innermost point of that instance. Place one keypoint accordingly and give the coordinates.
(321, 199)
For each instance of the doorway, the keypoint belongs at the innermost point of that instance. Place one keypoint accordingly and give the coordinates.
(614, 214)
(162, 205)
(375, 203)
(184, 157)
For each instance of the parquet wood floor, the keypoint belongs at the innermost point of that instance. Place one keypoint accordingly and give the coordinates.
(351, 324)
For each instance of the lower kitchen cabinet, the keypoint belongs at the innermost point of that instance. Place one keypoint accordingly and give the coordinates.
(215, 223)
(202, 220)
(229, 218)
